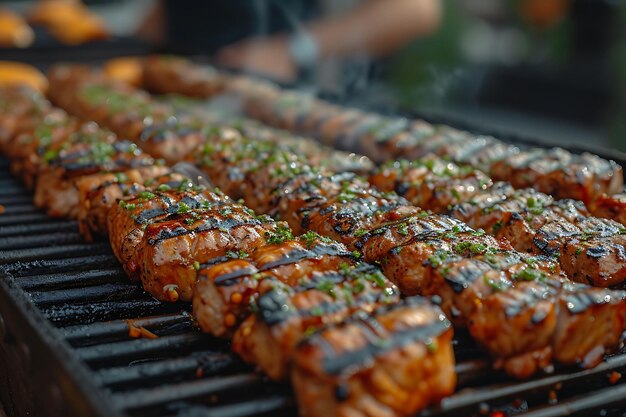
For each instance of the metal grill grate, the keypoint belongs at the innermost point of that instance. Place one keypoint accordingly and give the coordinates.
(78, 302)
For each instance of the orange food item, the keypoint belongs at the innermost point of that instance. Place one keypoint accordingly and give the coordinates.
(68, 21)
(124, 69)
(14, 31)
(140, 332)
(18, 73)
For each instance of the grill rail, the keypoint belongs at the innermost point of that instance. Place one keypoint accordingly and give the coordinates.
(66, 308)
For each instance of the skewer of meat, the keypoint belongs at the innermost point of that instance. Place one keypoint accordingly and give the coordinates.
(501, 295)
(296, 291)
(162, 237)
(289, 289)
(588, 249)
(557, 172)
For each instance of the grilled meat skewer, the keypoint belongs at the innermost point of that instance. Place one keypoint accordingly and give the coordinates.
(163, 236)
(588, 248)
(225, 290)
(392, 362)
(292, 288)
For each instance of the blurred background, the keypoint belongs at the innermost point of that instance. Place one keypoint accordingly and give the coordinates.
(548, 69)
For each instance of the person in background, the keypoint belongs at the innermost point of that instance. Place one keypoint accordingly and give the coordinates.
(282, 39)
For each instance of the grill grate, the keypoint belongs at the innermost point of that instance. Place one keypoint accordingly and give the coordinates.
(88, 303)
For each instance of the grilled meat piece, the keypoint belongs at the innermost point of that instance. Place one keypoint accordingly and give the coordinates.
(431, 183)
(515, 216)
(406, 263)
(128, 219)
(168, 74)
(611, 207)
(560, 173)
(393, 362)
(97, 194)
(377, 244)
(56, 189)
(352, 212)
(309, 190)
(19, 106)
(571, 324)
(26, 151)
(172, 249)
(169, 140)
(286, 314)
(592, 251)
(225, 290)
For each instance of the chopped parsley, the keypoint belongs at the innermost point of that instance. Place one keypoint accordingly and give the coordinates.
(438, 258)
(183, 208)
(327, 286)
(530, 274)
(494, 284)
(237, 255)
(128, 206)
(279, 235)
(317, 311)
(146, 195)
(121, 177)
(310, 237)
(471, 247)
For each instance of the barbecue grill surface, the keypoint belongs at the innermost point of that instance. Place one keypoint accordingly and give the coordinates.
(65, 348)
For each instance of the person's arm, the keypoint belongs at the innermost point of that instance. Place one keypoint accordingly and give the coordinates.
(152, 27)
(375, 28)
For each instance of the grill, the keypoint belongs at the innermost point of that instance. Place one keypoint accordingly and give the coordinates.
(66, 308)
